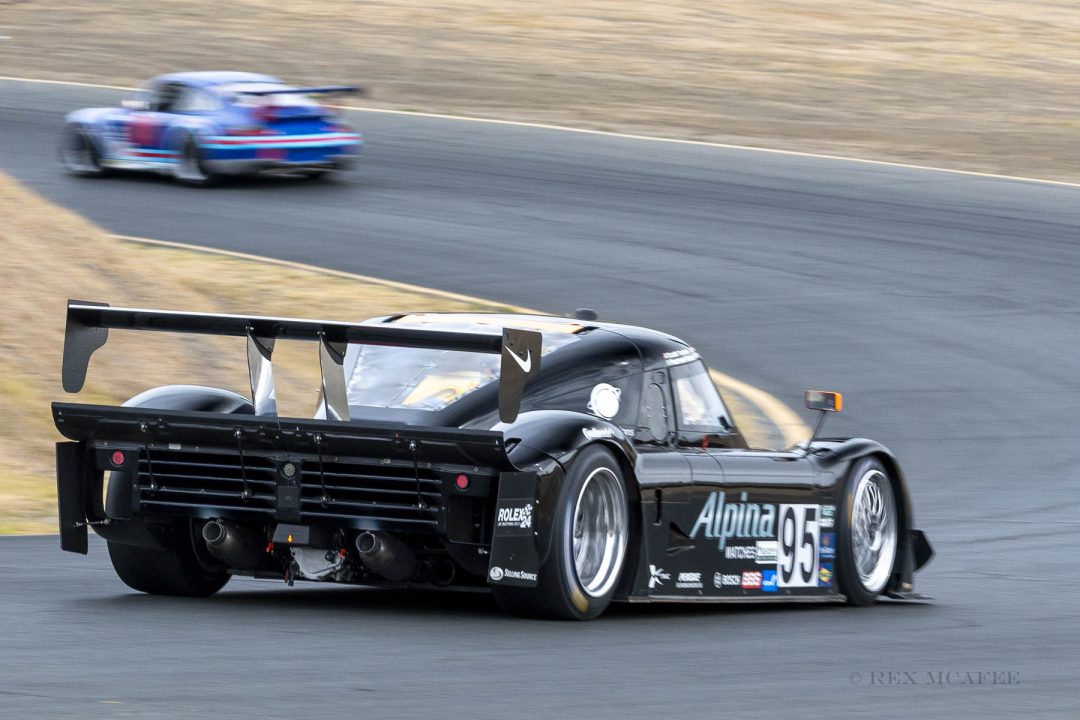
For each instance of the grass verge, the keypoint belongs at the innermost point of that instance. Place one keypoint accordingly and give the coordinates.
(51, 254)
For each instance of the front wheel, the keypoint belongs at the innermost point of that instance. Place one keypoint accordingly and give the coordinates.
(80, 153)
(590, 530)
(868, 530)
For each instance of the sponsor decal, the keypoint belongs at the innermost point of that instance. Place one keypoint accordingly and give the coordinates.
(765, 552)
(720, 579)
(723, 520)
(799, 539)
(525, 363)
(604, 401)
(519, 575)
(688, 581)
(597, 433)
(751, 580)
(497, 573)
(742, 552)
(518, 517)
(828, 514)
(680, 357)
(825, 575)
(657, 576)
(768, 581)
(827, 549)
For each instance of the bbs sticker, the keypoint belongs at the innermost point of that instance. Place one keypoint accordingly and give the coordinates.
(798, 539)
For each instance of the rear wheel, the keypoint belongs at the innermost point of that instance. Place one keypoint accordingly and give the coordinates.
(185, 569)
(590, 530)
(79, 152)
(191, 168)
(868, 530)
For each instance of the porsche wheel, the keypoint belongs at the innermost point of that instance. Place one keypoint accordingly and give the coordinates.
(190, 167)
(590, 531)
(869, 527)
(79, 152)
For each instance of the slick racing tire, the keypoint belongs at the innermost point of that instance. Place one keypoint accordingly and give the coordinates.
(79, 152)
(589, 531)
(868, 531)
(191, 168)
(186, 568)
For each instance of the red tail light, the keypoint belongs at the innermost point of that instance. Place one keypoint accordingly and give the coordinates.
(117, 458)
(265, 113)
(462, 482)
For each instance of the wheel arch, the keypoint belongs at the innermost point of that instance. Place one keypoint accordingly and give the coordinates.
(122, 528)
(842, 460)
(561, 436)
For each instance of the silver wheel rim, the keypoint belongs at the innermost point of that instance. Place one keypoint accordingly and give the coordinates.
(188, 167)
(873, 530)
(599, 532)
(78, 155)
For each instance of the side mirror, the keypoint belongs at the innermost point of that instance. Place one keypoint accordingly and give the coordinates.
(824, 400)
(135, 104)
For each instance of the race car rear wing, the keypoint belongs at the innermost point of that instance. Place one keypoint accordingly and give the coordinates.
(88, 326)
(318, 90)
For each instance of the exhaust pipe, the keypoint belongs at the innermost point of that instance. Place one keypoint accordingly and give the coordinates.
(386, 555)
(232, 544)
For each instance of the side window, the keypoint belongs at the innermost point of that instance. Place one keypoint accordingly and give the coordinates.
(192, 100)
(654, 417)
(166, 97)
(699, 407)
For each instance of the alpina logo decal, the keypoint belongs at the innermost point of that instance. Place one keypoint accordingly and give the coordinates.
(722, 520)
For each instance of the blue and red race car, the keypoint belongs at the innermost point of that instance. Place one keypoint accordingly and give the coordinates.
(199, 126)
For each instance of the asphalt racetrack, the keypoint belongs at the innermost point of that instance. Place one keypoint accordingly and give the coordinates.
(946, 307)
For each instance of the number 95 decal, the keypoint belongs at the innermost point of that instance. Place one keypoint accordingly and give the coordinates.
(797, 559)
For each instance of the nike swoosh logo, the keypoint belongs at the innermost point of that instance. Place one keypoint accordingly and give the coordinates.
(526, 363)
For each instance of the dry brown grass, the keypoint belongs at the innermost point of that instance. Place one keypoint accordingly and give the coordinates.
(992, 85)
(50, 255)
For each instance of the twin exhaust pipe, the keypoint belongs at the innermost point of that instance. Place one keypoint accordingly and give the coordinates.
(381, 553)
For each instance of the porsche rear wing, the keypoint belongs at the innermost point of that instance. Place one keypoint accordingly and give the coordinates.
(317, 90)
(88, 326)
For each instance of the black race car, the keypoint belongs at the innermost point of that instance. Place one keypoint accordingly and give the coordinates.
(562, 463)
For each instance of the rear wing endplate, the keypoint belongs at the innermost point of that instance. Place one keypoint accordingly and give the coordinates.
(88, 326)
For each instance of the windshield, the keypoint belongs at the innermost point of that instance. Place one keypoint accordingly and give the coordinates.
(277, 100)
(424, 379)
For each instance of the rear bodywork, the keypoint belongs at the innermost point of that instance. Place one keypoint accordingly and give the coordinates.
(467, 488)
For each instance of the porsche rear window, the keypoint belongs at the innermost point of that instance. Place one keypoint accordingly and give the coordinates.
(238, 90)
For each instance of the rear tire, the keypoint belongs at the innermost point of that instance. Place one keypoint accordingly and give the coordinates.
(190, 168)
(80, 153)
(185, 569)
(868, 532)
(590, 531)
